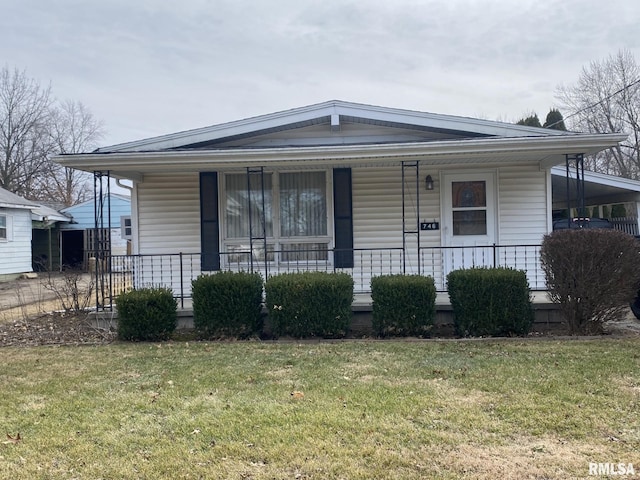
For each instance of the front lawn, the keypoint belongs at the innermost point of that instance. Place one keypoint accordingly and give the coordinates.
(360, 409)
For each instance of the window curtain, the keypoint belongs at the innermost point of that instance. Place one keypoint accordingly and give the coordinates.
(303, 204)
(244, 198)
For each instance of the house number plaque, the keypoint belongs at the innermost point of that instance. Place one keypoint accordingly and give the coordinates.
(429, 225)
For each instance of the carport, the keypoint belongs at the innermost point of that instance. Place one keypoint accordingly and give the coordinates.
(599, 190)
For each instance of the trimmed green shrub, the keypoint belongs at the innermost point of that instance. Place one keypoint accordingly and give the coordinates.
(310, 304)
(592, 273)
(227, 304)
(403, 305)
(490, 301)
(147, 314)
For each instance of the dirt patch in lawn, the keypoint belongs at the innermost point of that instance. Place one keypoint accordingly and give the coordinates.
(526, 458)
(32, 312)
(53, 329)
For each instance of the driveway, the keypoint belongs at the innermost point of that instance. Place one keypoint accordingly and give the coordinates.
(49, 292)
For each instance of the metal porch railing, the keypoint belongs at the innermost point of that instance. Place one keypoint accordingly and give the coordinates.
(177, 270)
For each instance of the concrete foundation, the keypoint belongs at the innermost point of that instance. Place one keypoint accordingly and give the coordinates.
(547, 317)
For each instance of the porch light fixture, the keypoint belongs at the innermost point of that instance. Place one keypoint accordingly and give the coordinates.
(428, 182)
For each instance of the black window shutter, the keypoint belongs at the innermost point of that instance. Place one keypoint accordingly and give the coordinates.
(343, 218)
(209, 222)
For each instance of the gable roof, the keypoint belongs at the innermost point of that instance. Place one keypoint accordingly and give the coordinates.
(338, 133)
(333, 113)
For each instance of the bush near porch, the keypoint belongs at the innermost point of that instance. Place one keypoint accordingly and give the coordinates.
(310, 304)
(490, 302)
(403, 305)
(147, 314)
(593, 274)
(227, 304)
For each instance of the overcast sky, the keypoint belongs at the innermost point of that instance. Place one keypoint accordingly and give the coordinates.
(151, 67)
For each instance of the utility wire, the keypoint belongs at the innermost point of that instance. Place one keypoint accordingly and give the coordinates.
(626, 87)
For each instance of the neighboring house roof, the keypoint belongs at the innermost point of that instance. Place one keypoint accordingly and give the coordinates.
(82, 215)
(11, 200)
(338, 132)
(600, 189)
(48, 215)
(39, 213)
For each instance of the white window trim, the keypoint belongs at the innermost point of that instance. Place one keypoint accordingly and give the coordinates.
(7, 228)
(124, 227)
(276, 240)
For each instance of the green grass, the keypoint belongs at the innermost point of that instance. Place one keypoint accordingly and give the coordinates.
(392, 409)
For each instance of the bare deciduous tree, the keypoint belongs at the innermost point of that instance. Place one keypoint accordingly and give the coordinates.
(606, 99)
(33, 127)
(72, 129)
(24, 141)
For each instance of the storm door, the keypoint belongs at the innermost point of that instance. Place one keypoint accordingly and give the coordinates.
(469, 220)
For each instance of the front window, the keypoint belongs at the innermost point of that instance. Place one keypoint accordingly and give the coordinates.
(3, 227)
(287, 209)
(303, 204)
(245, 206)
(469, 205)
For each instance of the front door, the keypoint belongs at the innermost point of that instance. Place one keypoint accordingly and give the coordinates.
(469, 220)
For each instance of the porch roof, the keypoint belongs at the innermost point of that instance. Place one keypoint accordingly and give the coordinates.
(546, 151)
(600, 189)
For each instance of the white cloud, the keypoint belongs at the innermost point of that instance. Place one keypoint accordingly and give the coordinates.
(151, 67)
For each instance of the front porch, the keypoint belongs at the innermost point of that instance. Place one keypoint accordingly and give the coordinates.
(176, 271)
(119, 273)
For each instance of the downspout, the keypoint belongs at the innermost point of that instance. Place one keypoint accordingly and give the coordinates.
(122, 185)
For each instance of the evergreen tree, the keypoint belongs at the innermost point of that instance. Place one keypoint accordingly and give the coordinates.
(530, 121)
(555, 120)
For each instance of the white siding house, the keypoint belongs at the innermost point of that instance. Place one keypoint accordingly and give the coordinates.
(15, 235)
(341, 186)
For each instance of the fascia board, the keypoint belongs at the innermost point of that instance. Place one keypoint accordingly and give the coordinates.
(487, 147)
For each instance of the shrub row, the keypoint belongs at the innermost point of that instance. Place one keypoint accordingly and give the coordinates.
(317, 304)
(312, 304)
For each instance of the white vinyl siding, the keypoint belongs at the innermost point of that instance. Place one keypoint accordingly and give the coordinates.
(169, 217)
(377, 219)
(169, 214)
(522, 205)
(15, 250)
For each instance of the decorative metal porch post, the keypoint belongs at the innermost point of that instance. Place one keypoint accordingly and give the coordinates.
(101, 241)
(580, 203)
